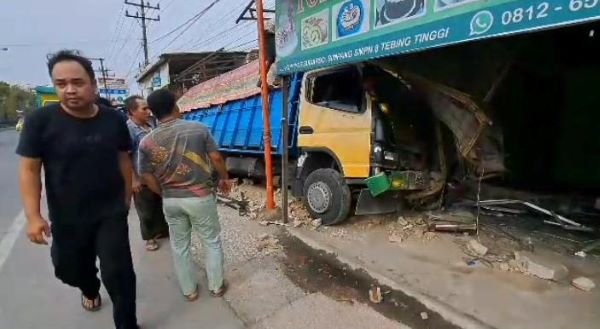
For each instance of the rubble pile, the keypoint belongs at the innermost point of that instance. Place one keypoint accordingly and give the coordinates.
(409, 227)
(268, 245)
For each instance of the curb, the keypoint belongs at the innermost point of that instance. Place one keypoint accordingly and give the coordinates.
(447, 311)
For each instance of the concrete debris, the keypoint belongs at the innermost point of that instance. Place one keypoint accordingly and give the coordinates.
(419, 233)
(268, 245)
(375, 295)
(317, 222)
(297, 223)
(583, 283)
(429, 236)
(395, 238)
(263, 237)
(339, 233)
(402, 221)
(504, 267)
(477, 248)
(424, 315)
(539, 267)
(581, 254)
(267, 223)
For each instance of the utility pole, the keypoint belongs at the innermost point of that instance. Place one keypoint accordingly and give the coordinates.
(141, 15)
(104, 71)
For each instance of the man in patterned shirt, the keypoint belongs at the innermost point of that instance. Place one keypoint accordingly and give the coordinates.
(176, 160)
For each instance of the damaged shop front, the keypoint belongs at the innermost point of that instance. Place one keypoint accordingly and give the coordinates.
(495, 111)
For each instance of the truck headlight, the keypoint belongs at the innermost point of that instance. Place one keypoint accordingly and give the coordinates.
(390, 156)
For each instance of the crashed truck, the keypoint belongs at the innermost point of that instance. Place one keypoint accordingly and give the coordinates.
(391, 103)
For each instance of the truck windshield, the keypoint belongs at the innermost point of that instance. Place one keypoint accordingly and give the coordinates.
(340, 90)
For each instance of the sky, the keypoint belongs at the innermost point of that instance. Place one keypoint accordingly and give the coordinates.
(31, 29)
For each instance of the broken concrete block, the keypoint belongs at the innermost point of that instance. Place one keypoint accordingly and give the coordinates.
(424, 315)
(540, 267)
(375, 295)
(476, 247)
(395, 238)
(402, 221)
(504, 267)
(583, 283)
(430, 235)
(317, 222)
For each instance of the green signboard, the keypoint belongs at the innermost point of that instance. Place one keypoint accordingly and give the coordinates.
(317, 33)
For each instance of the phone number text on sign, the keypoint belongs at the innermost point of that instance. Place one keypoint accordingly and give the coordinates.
(543, 10)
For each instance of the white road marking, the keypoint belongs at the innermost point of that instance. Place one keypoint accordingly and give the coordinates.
(9, 239)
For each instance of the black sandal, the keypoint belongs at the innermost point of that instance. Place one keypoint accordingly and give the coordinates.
(96, 303)
(219, 292)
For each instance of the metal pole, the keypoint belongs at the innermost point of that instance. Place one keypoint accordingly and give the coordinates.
(104, 77)
(145, 36)
(284, 161)
(265, 100)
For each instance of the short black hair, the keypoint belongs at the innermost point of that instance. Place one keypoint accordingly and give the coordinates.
(161, 102)
(131, 103)
(71, 55)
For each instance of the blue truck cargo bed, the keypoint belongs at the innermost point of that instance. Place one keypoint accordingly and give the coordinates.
(237, 126)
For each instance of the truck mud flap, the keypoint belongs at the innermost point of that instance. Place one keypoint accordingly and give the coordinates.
(383, 204)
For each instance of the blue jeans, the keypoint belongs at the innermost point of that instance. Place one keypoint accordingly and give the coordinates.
(200, 215)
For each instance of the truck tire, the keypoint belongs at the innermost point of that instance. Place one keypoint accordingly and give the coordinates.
(327, 196)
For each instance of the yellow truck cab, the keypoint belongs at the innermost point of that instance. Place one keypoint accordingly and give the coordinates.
(369, 135)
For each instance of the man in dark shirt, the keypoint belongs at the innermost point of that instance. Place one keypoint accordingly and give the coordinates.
(84, 150)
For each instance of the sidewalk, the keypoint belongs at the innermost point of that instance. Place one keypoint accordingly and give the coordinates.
(263, 296)
(435, 273)
(32, 298)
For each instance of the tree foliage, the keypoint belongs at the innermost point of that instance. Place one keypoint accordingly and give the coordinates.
(14, 98)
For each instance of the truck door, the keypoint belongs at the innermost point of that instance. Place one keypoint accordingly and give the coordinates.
(336, 118)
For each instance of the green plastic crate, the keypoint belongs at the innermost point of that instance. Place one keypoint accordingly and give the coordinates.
(378, 184)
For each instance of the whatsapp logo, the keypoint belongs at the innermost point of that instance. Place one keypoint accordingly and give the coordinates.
(481, 23)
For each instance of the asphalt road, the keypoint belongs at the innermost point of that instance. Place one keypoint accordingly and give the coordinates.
(31, 298)
(10, 204)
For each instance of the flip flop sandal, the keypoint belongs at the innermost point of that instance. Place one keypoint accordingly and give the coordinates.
(219, 292)
(152, 245)
(96, 303)
(192, 297)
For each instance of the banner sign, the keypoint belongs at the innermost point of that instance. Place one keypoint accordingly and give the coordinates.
(237, 84)
(317, 33)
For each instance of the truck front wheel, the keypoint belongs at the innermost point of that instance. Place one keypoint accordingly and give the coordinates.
(327, 196)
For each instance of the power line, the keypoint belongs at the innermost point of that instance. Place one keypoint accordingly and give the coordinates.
(209, 39)
(197, 17)
(118, 28)
(142, 16)
(225, 17)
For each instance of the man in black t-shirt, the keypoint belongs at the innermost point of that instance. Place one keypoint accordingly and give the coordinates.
(84, 150)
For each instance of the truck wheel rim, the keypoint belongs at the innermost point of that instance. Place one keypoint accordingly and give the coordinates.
(319, 197)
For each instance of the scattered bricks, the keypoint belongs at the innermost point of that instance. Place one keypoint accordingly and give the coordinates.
(424, 315)
(583, 283)
(477, 248)
(542, 268)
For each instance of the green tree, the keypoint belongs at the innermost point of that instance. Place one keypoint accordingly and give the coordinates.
(14, 98)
